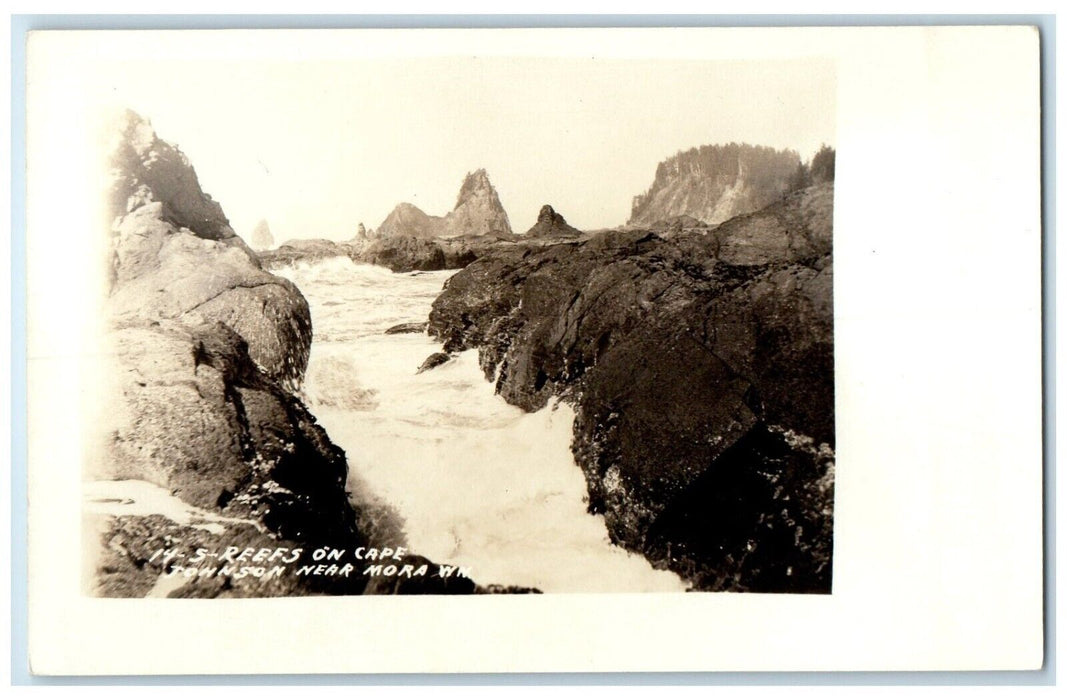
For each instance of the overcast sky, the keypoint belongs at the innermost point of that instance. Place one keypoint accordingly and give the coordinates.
(316, 147)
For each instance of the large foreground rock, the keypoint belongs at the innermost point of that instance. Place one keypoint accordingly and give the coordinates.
(701, 371)
(207, 349)
(175, 257)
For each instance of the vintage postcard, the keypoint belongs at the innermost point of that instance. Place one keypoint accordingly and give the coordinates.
(526, 350)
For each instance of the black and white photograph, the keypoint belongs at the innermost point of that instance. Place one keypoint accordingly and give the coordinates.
(407, 336)
(607, 367)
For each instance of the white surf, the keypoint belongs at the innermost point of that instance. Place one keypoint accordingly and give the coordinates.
(475, 482)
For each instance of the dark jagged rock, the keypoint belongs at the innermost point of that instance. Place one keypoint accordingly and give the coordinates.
(407, 328)
(701, 371)
(207, 349)
(435, 360)
(551, 224)
(404, 254)
(145, 169)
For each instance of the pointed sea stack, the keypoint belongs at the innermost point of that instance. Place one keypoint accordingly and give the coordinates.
(551, 224)
(477, 212)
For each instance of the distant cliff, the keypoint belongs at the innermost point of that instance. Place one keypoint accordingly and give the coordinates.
(716, 183)
(477, 212)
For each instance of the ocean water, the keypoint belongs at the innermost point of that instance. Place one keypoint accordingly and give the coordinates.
(463, 477)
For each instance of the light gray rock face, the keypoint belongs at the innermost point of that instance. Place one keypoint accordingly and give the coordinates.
(477, 212)
(261, 236)
(175, 257)
(715, 183)
(206, 350)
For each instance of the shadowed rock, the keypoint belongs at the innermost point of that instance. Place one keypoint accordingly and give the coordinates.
(207, 348)
(407, 328)
(435, 360)
(701, 371)
(175, 257)
(551, 224)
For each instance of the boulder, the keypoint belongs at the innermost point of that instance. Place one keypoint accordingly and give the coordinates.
(701, 372)
(435, 360)
(174, 256)
(206, 351)
(404, 254)
(419, 327)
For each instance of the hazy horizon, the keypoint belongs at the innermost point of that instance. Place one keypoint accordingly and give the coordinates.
(317, 147)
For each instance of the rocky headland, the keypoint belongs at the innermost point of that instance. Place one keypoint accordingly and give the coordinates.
(700, 367)
(209, 349)
(715, 183)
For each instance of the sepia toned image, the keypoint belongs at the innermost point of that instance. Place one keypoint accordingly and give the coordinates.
(607, 367)
(533, 350)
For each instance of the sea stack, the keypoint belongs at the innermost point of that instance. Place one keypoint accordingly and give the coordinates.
(477, 212)
(551, 224)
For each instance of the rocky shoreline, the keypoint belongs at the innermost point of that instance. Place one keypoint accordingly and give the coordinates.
(209, 349)
(698, 359)
(701, 371)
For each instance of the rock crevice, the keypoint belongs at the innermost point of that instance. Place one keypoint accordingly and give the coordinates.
(701, 372)
(208, 350)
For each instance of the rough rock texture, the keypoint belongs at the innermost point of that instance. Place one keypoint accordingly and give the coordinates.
(715, 183)
(404, 254)
(434, 360)
(174, 256)
(145, 169)
(701, 371)
(551, 224)
(477, 212)
(305, 250)
(207, 348)
(678, 224)
(414, 327)
(409, 221)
